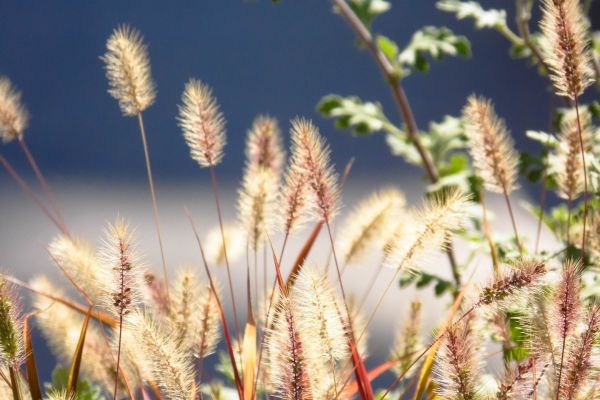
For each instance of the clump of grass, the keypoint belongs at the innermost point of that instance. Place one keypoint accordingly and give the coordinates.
(132, 334)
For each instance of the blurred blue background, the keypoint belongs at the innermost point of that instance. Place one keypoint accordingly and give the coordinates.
(259, 57)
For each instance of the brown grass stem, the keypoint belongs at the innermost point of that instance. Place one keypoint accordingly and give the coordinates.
(215, 189)
(29, 192)
(585, 179)
(402, 101)
(154, 203)
(40, 178)
(236, 375)
(512, 220)
(14, 380)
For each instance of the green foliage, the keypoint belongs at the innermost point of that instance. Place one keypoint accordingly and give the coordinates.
(433, 42)
(491, 18)
(423, 279)
(367, 10)
(85, 390)
(362, 118)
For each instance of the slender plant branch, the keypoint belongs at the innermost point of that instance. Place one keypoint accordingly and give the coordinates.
(401, 99)
(40, 178)
(29, 192)
(154, 204)
(523, 17)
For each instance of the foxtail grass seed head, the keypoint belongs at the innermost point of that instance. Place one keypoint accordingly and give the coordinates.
(11, 340)
(570, 166)
(202, 123)
(491, 146)
(439, 217)
(409, 341)
(288, 367)
(521, 279)
(194, 313)
(167, 363)
(567, 53)
(295, 207)
(458, 367)
(517, 382)
(325, 342)
(80, 260)
(128, 71)
(263, 145)
(61, 394)
(13, 114)
(235, 243)
(372, 221)
(566, 310)
(124, 290)
(311, 157)
(580, 363)
(186, 291)
(257, 205)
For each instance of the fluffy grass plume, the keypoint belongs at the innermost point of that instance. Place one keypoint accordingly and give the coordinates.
(194, 314)
(491, 146)
(325, 342)
(263, 145)
(408, 341)
(80, 260)
(295, 206)
(257, 204)
(13, 114)
(439, 216)
(369, 224)
(311, 157)
(458, 365)
(202, 123)
(128, 71)
(520, 280)
(579, 366)
(289, 371)
(569, 163)
(167, 363)
(567, 54)
(517, 382)
(124, 291)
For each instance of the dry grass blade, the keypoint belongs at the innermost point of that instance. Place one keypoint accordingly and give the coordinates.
(249, 357)
(32, 372)
(76, 363)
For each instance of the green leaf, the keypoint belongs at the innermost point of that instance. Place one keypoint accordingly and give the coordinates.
(491, 18)
(423, 279)
(367, 10)
(387, 47)
(362, 118)
(433, 42)
(85, 390)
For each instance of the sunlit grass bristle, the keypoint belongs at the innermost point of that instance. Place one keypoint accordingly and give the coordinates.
(373, 220)
(202, 123)
(312, 158)
(128, 71)
(13, 114)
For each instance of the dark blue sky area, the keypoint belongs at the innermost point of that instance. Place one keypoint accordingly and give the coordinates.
(259, 58)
